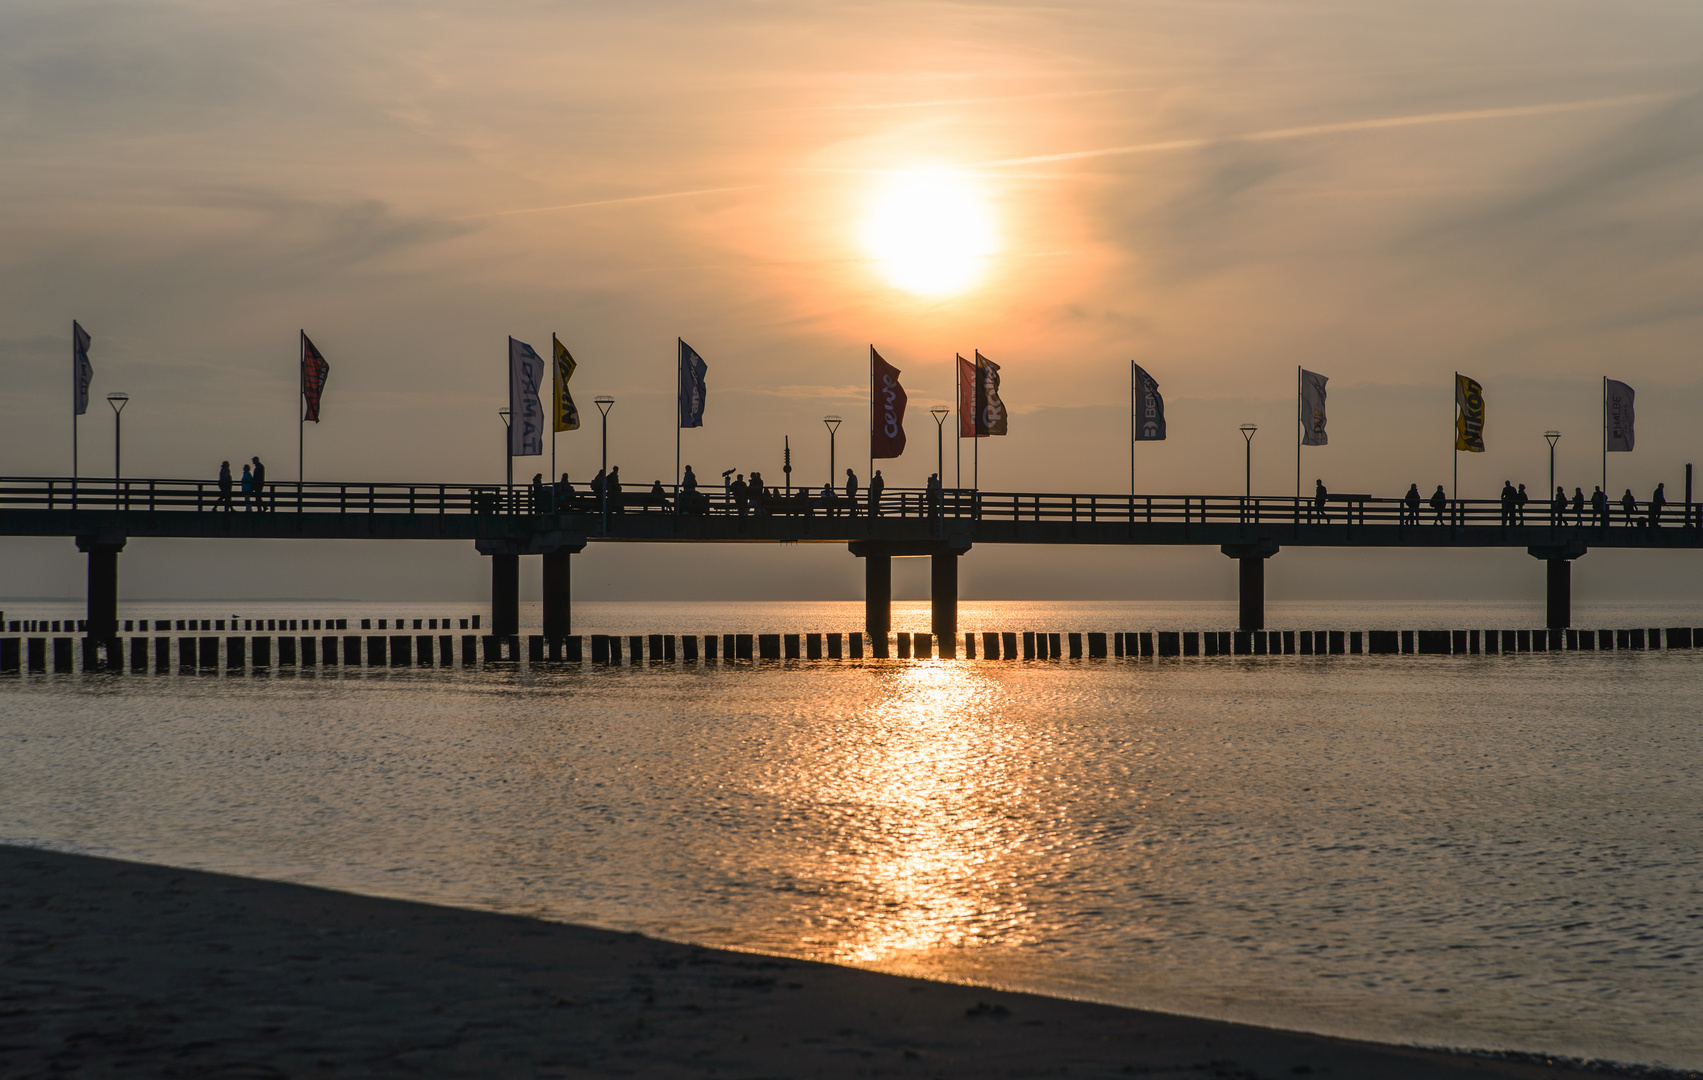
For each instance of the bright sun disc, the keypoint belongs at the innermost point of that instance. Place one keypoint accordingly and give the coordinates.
(930, 231)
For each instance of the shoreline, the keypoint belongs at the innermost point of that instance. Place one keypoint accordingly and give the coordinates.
(117, 966)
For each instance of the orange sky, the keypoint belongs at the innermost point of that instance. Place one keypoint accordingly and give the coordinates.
(1218, 190)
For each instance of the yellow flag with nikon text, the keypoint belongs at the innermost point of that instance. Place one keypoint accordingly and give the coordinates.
(567, 415)
(1469, 415)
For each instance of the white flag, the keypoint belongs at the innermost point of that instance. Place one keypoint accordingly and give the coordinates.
(1617, 416)
(526, 411)
(1313, 409)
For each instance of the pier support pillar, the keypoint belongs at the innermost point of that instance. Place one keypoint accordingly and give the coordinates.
(558, 612)
(878, 601)
(1251, 558)
(1558, 562)
(102, 550)
(943, 597)
(505, 595)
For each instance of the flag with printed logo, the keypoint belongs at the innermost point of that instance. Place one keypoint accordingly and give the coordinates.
(1149, 407)
(563, 409)
(526, 409)
(314, 373)
(1313, 409)
(886, 408)
(1617, 417)
(692, 392)
(1469, 415)
(82, 372)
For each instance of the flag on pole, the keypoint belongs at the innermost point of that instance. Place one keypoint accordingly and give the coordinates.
(966, 399)
(887, 409)
(692, 392)
(566, 412)
(1469, 417)
(526, 411)
(314, 373)
(1149, 408)
(1313, 409)
(990, 411)
(82, 372)
(1617, 408)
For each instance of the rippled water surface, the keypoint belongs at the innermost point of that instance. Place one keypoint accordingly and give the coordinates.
(1484, 851)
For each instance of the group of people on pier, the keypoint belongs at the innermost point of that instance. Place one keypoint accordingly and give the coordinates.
(253, 488)
(742, 496)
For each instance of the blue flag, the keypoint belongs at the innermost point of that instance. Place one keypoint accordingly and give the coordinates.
(1149, 407)
(692, 369)
(82, 372)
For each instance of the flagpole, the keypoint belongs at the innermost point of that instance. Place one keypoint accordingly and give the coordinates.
(555, 409)
(301, 413)
(1455, 484)
(1132, 439)
(958, 415)
(1604, 437)
(976, 451)
(870, 475)
(1300, 425)
(679, 375)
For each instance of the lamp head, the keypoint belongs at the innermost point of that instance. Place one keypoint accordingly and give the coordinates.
(833, 422)
(117, 399)
(603, 402)
(1248, 430)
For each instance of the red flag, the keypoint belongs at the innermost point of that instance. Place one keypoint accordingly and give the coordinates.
(886, 408)
(314, 371)
(966, 399)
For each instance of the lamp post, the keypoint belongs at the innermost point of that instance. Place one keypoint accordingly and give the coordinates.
(832, 423)
(940, 413)
(1552, 436)
(117, 399)
(1247, 431)
(604, 403)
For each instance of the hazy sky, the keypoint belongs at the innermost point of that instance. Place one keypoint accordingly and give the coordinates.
(1384, 193)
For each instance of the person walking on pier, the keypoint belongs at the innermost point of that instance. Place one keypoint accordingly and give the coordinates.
(1558, 508)
(564, 496)
(1439, 503)
(259, 484)
(538, 494)
(1509, 498)
(612, 485)
(247, 490)
(224, 487)
(829, 509)
(740, 493)
(1599, 508)
(1520, 501)
(598, 483)
(755, 494)
(1658, 500)
(1320, 496)
(688, 491)
(876, 486)
(1628, 506)
(1410, 506)
(1578, 506)
(851, 493)
(933, 495)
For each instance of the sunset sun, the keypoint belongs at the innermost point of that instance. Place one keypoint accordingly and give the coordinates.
(930, 231)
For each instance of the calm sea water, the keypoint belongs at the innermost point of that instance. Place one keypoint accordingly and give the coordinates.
(1499, 852)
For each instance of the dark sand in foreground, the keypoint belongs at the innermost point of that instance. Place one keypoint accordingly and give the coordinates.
(118, 968)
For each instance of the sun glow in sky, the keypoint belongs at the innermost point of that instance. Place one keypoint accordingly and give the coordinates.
(930, 230)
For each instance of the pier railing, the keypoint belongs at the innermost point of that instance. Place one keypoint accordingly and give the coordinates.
(318, 497)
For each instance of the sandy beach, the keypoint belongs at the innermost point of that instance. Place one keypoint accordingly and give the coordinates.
(116, 968)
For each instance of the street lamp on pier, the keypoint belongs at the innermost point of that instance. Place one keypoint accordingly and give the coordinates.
(117, 399)
(604, 403)
(508, 456)
(1552, 436)
(940, 413)
(832, 423)
(1247, 431)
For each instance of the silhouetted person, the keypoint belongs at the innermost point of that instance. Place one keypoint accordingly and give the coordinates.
(688, 491)
(741, 493)
(1599, 508)
(851, 493)
(1510, 499)
(829, 509)
(224, 487)
(876, 486)
(564, 496)
(658, 495)
(757, 494)
(612, 486)
(1439, 503)
(259, 484)
(247, 490)
(599, 485)
(1410, 505)
(1558, 507)
(1578, 506)
(538, 506)
(932, 494)
(1629, 505)
(1520, 501)
(1658, 499)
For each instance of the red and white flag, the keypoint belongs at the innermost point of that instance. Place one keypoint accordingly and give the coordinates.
(886, 408)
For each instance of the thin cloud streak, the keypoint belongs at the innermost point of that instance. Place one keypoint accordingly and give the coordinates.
(1345, 126)
(612, 202)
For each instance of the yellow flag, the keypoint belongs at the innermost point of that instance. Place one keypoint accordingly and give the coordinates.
(1469, 418)
(567, 416)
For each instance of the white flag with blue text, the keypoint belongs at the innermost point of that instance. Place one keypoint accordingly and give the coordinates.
(526, 409)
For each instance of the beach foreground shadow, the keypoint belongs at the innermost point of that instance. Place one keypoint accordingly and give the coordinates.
(116, 968)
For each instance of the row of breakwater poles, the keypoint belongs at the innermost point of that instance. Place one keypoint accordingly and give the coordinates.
(163, 654)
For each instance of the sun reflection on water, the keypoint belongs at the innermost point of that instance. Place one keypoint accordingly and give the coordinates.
(928, 856)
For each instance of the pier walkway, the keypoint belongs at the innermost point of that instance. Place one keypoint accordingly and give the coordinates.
(506, 523)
